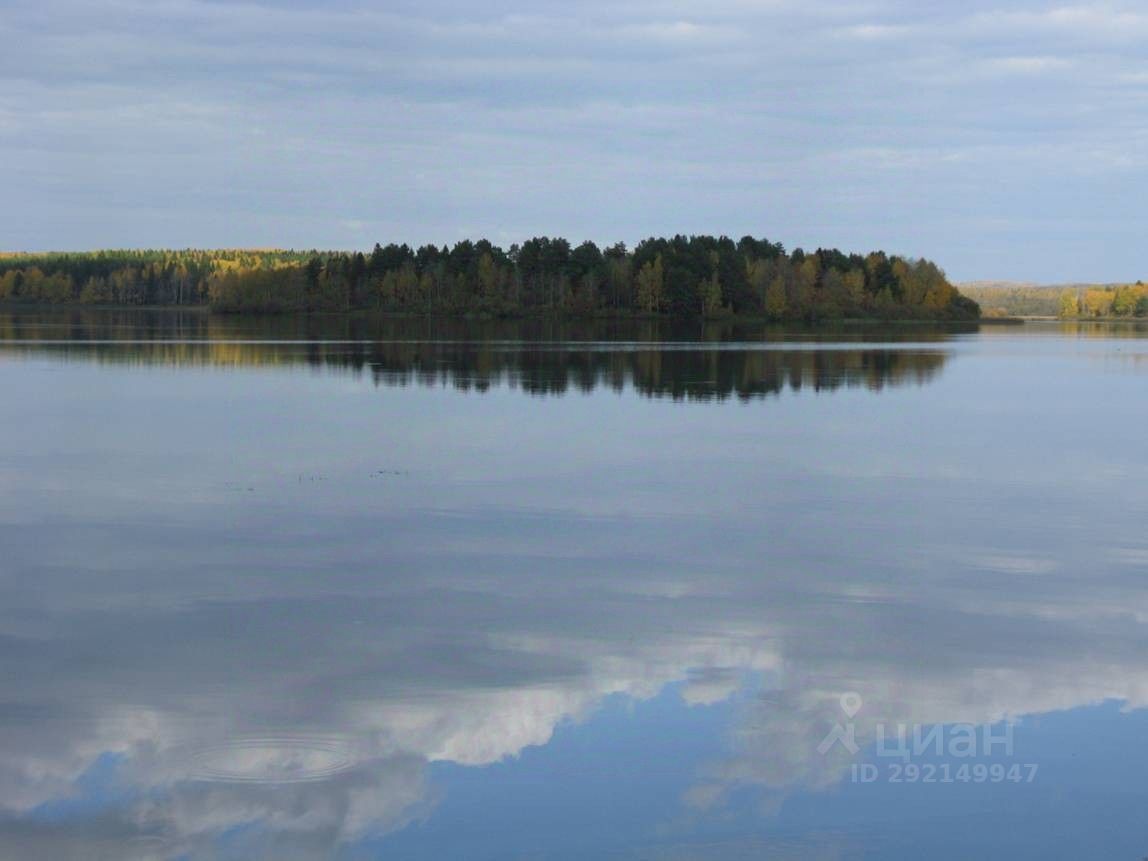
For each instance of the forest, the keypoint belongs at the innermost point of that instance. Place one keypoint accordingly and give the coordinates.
(1127, 300)
(1068, 301)
(1013, 300)
(695, 276)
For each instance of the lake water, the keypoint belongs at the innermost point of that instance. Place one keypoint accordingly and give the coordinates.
(399, 589)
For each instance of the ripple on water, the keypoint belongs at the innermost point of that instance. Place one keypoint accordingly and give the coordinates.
(270, 759)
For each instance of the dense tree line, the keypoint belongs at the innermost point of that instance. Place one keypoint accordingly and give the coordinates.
(180, 278)
(1069, 301)
(682, 276)
(1128, 300)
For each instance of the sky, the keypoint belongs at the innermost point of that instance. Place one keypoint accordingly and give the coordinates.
(1004, 141)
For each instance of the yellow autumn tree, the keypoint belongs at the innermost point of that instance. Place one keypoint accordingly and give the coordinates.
(651, 280)
(1069, 304)
(775, 301)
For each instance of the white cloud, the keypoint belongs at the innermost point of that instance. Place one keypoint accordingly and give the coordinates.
(876, 32)
(1025, 65)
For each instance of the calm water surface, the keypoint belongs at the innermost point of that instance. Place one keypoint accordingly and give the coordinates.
(395, 589)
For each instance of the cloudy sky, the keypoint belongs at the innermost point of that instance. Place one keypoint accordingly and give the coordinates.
(1002, 140)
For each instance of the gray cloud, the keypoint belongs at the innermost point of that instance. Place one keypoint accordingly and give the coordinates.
(1003, 142)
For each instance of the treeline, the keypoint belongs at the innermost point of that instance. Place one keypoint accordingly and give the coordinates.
(1129, 300)
(129, 278)
(1014, 300)
(1070, 301)
(684, 276)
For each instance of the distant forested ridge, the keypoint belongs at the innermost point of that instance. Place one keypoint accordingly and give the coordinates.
(1013, 300)
(1126, 300)
(1068, 301)
(684, 276)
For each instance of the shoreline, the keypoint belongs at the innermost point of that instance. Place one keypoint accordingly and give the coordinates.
(605, 316)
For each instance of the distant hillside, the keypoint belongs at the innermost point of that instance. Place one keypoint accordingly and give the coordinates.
(1032, 285)
(1027, 299)
(1013, 299)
